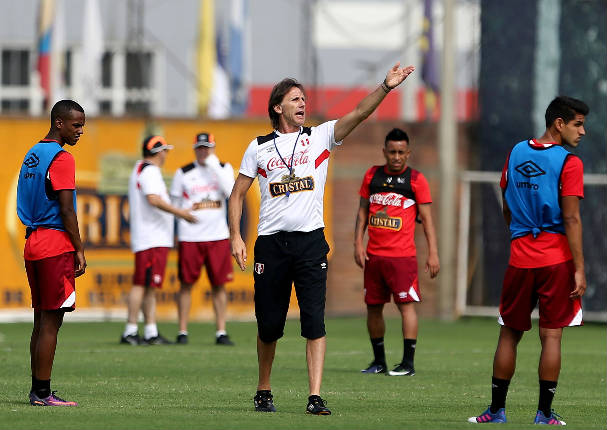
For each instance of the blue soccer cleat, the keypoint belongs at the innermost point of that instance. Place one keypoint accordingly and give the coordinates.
(488, 417)
(540, 418)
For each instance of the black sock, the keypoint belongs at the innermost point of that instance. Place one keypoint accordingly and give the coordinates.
(379, 353)
(547, 390)
(499, 391)
(42, 388)
(409, 351)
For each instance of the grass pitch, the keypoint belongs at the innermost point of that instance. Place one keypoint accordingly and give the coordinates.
(204, 386)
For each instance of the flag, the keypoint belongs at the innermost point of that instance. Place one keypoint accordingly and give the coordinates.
(429, 67)
(88, 78)
(219, 102)
(206, 55)
(238, 57)
(57, 69)
(46, 10)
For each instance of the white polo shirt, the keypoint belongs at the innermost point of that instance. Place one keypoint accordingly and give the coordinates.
(203, 188)
(268, 157)
(150, 226)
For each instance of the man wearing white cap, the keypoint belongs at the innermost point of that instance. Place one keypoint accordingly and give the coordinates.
(204, 185)
(151, 224)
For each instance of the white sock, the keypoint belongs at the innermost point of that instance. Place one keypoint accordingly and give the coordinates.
(182, 332)
(130, 330)
(220, 333)
(150, 331)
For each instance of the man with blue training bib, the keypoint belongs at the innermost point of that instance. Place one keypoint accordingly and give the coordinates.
(54, 255)
(542, 184)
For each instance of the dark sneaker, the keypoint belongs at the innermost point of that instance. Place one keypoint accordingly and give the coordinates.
(402, 369)
(131, 339)
(263, 401)
(488, 417)
(375, 368)
(158, 340)
(51, 400)
(552, 419)
(224, 339)
(317, 406)
(182, 339)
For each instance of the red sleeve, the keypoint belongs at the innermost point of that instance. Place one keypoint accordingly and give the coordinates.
(504, 179)
(364, 188)
(572, 177)
(62, 172)
(420, 188)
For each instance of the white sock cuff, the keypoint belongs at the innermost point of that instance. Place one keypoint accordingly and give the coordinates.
(130, 330)
(150, 330)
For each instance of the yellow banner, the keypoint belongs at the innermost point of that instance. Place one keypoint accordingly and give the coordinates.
(105, 156)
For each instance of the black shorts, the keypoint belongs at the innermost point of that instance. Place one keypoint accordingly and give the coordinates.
(282, 259)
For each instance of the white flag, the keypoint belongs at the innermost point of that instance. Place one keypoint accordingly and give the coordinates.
(89, 76)
(58, 55)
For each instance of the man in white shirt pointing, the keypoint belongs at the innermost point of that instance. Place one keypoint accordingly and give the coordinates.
(291, 166)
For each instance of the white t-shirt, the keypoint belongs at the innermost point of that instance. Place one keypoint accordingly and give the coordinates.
(203, 188)
(302, 209)
(150, 226)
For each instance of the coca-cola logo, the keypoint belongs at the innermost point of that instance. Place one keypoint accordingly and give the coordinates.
(300, 157)
(388, 199)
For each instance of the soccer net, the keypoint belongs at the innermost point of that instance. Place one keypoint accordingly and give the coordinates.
(483, 246)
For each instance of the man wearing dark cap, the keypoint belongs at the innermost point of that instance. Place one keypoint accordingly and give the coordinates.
(151, 223)
(204, 185)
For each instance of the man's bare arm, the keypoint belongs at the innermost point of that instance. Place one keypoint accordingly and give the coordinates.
(235, 202)
(348, 122)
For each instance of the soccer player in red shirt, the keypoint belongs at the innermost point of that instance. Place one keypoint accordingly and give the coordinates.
(391, 198)
(54, 255)
(542, 185)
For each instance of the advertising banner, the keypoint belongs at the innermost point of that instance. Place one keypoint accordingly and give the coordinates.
(105, 156)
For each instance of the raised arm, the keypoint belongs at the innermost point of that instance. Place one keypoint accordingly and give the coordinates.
(239, 249)
(362, 216)
(395, 76)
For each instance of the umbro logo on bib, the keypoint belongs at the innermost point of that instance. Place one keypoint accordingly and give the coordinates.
(259, 268)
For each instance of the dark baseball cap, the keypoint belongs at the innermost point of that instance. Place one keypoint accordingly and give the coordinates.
(204, 139)
(154, 144)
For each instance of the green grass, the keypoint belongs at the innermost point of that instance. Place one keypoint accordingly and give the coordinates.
(206, 386)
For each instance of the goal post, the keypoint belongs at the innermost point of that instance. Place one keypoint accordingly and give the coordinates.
(467, 179)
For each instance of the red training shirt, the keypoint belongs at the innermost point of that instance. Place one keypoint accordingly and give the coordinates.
(388, 240)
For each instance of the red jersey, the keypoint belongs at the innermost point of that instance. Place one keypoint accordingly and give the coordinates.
(393, 200)
(47, 242)
(547, 248)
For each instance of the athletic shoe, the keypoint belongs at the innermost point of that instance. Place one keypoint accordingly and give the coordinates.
(263, 401)
(182, 339)
(488, 417)
(157, 340)
(224, 339)
(540, 418)
(51, 400)
(317, 406)
(375, 368)
(402, 369)
(131, 339)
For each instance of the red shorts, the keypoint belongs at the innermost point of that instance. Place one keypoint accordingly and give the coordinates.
(391, 275)
(52, 282)
(551, 286)
(215, 256)
(150, 265)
